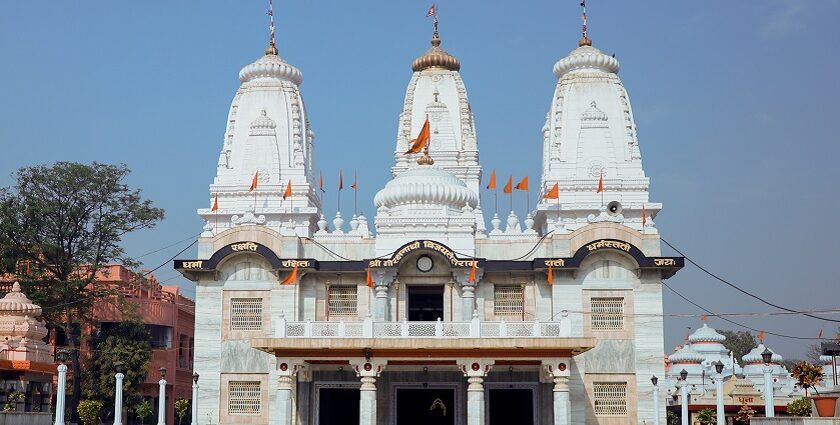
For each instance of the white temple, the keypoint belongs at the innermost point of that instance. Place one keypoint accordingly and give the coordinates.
(427, 315)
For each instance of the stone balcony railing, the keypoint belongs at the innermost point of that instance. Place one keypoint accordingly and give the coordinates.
(439, 329)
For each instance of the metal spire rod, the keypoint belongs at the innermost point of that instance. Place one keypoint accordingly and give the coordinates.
(271, 26)
(584, 32)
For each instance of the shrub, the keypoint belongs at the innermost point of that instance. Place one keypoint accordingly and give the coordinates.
(182, 406)
(801, 407)
(11, 401)
(707, 417)
(89, 411)
(143, 410)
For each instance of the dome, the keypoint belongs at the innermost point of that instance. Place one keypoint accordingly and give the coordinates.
(426, 184)
(754, 356)
(686, 355)
(706, 334)
(435, 57)
(587, 58)
(263, 122)
(15, 303)
(271, 66)
(593, 113)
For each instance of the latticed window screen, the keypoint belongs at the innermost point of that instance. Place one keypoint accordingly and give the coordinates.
(342, 301)
(246, 314)
(507, 300)
(607, 313)
(610, 398)
(244, 398)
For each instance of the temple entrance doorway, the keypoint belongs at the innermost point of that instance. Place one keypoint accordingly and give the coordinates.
(426, 406)
(425, 303)
(338, 406)
(511, 406)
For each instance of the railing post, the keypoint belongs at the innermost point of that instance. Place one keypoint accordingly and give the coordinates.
(565, 324)
(341, 328)
(503, 328)
(439, 327)
(280, 331)
(307, 330)
(404, 329)
(537, 328)
(475, 326)
(367, 326)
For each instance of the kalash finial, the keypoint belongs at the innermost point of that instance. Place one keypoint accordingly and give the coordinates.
(584, 40)
(272, 47)
(425, 159)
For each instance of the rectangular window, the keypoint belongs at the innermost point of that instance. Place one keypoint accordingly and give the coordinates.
(607, 313)
(246, 314)
(507, 300)
(610, 398)
(244, 398)
(342, 301)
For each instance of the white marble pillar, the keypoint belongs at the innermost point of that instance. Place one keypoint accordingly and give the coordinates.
(367, 401)
(475, 401)
(118, 398)
(467, 302)
(194, 404)
(721, 417)
(162, 401)
(381, 307)
(655, 404)
(769, 404)
(60, 394)
(562, 402)
(284, 400)
(684, 403)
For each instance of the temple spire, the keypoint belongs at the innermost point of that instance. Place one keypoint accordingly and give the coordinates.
(584, 40)
(272, 47)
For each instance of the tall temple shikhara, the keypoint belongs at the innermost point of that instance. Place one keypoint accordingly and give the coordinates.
(434, 312)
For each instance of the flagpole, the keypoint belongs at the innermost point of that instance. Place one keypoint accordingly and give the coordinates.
(528, 200)
(496, 200)
(355, 193)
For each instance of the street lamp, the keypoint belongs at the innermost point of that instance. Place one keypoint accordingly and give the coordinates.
(195, 399)
(769, 405)
(654, 380)
(721, 419)
(118, 392)
(683, 397)
(62, 356)
(162, 397)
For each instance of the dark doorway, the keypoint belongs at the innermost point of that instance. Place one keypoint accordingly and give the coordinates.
(511, 406)
(338, 406)
(425, 303)
(426, 406)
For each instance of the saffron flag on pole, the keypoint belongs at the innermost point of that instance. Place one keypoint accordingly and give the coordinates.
(215, 202)
(340, 180)
(369, 279)
(292, 278)
(288, 191)
(554, 193)
(761, 335)
(355, 184)
(550, 277)
(600, 183)
(492, 183)
(644, 215)
(523, 184)
(432, 11)
(509, 186)
(422, 139)
(254, 181)
(471, 278)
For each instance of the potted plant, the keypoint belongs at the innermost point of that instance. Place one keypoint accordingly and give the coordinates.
(810, 375)
(707, 417)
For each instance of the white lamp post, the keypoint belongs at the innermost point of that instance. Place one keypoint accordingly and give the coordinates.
(162, 397)
(118, 393)
(683, 397)
(654, 380)
(721, 419)
(60, 395)
(195, 399)
(769, 405)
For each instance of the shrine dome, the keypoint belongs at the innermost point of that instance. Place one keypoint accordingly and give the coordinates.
(427, 185)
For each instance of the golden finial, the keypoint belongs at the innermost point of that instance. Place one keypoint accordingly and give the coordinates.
(425, 159)
(584, 40)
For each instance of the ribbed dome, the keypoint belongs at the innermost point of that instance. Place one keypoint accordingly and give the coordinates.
(15, 303)
(754, 356)
(436, 57)
(586, 57)
(686, 355)
(593, 113)
(270, 66)
(426, 184)
(706, 334)
(263, 122)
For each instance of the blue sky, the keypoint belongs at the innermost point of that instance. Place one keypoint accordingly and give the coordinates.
(735, 104)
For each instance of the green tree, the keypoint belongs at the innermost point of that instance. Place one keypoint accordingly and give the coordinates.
(182, 406)
(66, 221)
(127, 344)
(739, 342)
(143, 410)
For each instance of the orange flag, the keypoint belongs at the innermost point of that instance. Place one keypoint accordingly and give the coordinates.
(492, 184)
(288, 191)
(644, 215)
(704, 317)
(600, 183)
(472, 272)
(422, 139)
(254, 181)
(215, 202)
(292, 277)
(554, 193)
(340, 179)
(369, 279)
(509, 186)
(550, 277)
(761, 336)
(523, 184)
(355, 184)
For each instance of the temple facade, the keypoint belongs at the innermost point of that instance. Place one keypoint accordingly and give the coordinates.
(426, 314)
